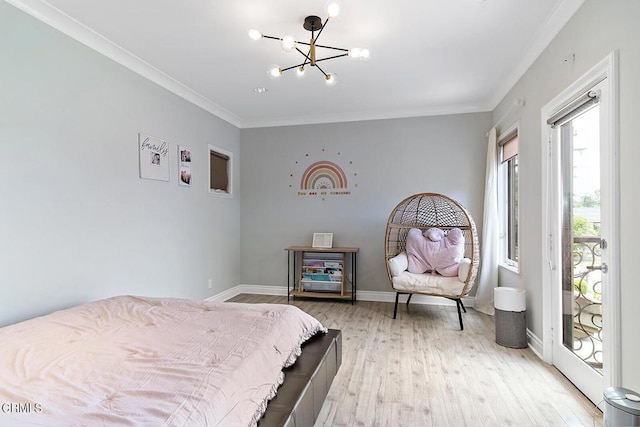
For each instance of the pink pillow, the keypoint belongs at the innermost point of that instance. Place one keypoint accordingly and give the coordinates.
(435, 251)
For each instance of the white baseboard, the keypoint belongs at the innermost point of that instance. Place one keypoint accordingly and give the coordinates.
(535, 344)
(375, 296)
(248, 289)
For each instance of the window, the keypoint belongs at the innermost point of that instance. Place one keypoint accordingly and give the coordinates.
(220, 171)
(508, 196)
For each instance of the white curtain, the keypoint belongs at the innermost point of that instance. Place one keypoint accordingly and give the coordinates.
(488, 278)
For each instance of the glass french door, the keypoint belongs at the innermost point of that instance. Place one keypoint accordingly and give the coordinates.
(580, 281)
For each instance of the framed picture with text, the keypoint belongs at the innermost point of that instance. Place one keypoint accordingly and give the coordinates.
(322, 240)
(154, 157)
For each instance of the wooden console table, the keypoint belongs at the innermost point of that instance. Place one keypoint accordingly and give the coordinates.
(321, 272)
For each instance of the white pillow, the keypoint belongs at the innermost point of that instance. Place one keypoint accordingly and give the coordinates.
(398, 264)
(463, 269)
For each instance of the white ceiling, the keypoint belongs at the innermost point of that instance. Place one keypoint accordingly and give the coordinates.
(427, 56)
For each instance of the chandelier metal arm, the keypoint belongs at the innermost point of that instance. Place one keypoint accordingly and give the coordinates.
(271, 37)
(319, 32)
(308, 44)
(317, 60)
(320, 45)
(321, 70)
(292, 67)
(331, 47)
(332, 57)
(307, 57)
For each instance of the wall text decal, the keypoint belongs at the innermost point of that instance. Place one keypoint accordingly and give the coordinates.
(323, 178)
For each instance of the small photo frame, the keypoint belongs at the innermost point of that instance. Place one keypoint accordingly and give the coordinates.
(184, 165)
(322, 240)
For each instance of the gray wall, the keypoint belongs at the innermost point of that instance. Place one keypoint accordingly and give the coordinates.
(387, 159)
(76, 221)
(598, 28)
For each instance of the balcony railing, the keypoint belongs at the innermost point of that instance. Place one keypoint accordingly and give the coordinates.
(587, 299)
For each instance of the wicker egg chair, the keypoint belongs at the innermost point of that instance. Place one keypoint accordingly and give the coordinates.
(424, 211)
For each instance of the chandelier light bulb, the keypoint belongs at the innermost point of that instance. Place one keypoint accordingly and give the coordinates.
(333, 9)
(255, 34)
(356, 52)
(359, 53)
(288, 43)
(300, 71)
(330, 79)
(275, 71)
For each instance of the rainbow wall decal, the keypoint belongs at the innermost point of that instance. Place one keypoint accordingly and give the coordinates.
(323, 175)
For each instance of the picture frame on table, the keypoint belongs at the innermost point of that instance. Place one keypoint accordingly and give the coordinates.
(322, 240)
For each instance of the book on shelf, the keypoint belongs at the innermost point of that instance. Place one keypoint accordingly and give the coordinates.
(332, 264)
(313, 270)
(313, 263)
(334, 274)
(317, 277)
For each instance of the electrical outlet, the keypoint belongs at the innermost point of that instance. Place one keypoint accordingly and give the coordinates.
(210, 283)
(350, 278)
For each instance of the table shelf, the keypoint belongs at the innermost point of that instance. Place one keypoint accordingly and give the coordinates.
(308, 266)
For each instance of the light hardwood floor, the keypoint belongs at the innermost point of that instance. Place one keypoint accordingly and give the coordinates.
(421, 370)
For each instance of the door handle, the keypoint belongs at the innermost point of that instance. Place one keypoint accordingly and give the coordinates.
(604, 267)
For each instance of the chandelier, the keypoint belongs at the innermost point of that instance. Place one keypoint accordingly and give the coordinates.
(314, 24)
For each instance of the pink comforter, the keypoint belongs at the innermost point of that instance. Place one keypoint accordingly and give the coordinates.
(148, 361)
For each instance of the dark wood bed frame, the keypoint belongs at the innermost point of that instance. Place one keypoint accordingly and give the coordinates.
(306, 383)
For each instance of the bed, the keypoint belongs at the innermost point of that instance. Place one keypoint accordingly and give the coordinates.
(131, 360)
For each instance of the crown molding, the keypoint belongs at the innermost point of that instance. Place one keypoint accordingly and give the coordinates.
(363, 116)
(547, 32)
(64, 23)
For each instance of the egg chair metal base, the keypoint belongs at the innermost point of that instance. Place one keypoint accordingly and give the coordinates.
(459, 305)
